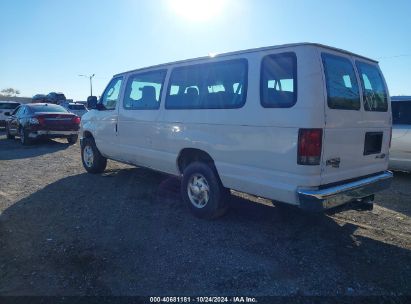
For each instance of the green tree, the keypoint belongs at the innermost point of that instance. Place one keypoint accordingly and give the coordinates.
(9, 92)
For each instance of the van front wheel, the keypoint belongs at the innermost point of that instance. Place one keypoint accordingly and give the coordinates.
(93, 161)
(203, 192)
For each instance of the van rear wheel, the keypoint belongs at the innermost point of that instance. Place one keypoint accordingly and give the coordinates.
(92, 160)
(203, 192)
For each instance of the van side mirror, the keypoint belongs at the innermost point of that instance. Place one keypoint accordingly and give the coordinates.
(6, 113)
(92, 102)
(100, 107)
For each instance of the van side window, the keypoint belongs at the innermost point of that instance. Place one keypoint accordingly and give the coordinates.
(220, 85)
(279, 81)
(341, 82)
(374, 93)
(143, 90)
(111, 94)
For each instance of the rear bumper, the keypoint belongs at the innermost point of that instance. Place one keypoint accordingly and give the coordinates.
(322, 199)
(52, 134)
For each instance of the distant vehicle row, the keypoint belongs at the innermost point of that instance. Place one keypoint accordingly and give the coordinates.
(53, 97)
(60, 99)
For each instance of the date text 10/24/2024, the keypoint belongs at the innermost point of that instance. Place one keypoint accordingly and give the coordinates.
(203, 300)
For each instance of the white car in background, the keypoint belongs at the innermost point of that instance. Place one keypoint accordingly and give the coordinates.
(400, 153)
(6, 107)
(76, 108)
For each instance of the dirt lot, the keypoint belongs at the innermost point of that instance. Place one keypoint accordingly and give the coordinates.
(126, 232)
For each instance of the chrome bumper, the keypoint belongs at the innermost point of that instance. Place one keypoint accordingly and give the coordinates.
(52, 133)
(317, 200)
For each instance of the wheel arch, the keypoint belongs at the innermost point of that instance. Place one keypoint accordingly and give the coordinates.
(190, 155)
(87, 134)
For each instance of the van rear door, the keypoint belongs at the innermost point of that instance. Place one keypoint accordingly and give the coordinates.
(357, 119)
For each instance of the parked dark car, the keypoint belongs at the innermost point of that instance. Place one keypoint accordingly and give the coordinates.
(6, 106)
(55, 98)
(42, 120)
(38, 98)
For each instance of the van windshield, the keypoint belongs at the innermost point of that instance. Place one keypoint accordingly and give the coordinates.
(401, 112)
(374, 93)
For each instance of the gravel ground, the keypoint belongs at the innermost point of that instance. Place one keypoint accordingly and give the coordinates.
(126, 232)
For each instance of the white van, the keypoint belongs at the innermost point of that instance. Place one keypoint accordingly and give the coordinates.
(304, 124)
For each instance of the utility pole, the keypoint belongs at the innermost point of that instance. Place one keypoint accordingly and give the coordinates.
(90, 77)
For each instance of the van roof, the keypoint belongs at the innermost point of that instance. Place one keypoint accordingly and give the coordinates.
(249, 51)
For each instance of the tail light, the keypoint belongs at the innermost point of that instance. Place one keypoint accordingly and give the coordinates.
(76, 120)
(309, 146)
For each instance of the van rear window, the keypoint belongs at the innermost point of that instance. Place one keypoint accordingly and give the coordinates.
(279, 81)
(341, 82)
(374, 93)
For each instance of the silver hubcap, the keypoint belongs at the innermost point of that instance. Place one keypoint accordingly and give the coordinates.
(198, 190)
(88, 156)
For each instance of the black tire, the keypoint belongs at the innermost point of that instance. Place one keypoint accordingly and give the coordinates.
(217, 203)
(24, 137)
(72, 139)
(8, 135)
(95, 163)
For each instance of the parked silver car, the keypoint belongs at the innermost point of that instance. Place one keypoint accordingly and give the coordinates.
(400, 153)
(76, 108)
(6, 107)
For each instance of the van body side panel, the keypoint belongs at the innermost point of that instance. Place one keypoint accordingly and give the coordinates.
(254, 148)
(102, 124)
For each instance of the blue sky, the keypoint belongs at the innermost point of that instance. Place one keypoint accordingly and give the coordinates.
(46, 44)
